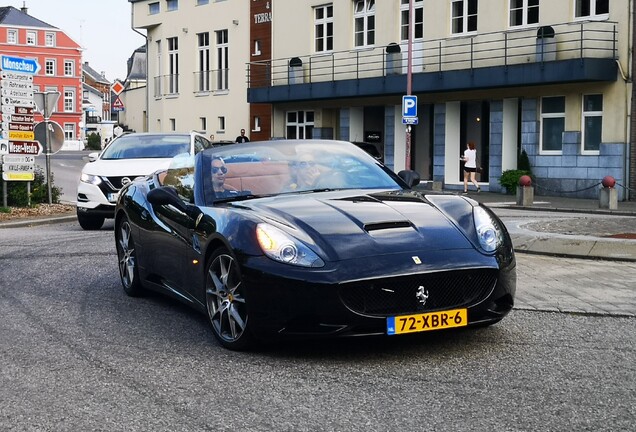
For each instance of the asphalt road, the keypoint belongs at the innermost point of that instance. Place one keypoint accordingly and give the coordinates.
(77, 354)
(66, 167)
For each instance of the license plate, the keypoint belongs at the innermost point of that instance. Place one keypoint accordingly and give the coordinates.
(112, 197)
(427, 321)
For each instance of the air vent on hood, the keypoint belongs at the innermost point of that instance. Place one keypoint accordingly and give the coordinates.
(386, 225)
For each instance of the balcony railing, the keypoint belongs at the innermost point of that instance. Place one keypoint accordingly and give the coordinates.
(212, 80)
(588, 39)
(166, 85)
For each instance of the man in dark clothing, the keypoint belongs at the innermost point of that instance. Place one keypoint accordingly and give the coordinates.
(242, 138)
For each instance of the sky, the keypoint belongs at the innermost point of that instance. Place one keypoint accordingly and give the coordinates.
(101, 27)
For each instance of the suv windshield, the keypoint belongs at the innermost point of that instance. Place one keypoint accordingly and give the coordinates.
(147, 146)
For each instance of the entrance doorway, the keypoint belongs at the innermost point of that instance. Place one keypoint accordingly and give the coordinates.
(474, 126)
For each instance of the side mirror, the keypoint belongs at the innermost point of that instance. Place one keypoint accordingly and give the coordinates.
(166, 195)
(410, 177)
(92, 157)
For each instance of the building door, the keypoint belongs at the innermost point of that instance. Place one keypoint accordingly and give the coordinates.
(474, 126)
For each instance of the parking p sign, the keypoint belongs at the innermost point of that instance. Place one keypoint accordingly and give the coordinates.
(409, 106)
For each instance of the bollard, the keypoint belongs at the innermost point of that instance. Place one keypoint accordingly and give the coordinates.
(525, 191)
(608, 195)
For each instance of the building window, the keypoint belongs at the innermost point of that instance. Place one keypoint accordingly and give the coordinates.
(12, 36)
(173, 65)
(69, 100)
(552, 123)
(69, 131)
(524, 12)
(323, 28)
(202, 2)
(49, 39)
(221, 124)
(418, 19)
(364, 23)
(173, 124)
(257, 48)
(464, 16)
(222, 60)
(204, 61)
(172, 5)
(32, 38)
(154, 8)
(49, 67)
(69, 68)
(592, 122)
(204, 123)
(257, 124)
(591, 8)
(300, 124)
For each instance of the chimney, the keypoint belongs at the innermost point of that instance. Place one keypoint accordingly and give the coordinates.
(24, 9)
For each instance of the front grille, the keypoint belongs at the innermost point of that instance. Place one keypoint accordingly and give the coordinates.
(115, 182)
(393, 296)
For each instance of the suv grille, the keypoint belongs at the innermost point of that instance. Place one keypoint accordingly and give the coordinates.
(445, 290)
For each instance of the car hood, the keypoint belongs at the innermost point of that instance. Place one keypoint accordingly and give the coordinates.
(126, 167)
(348, 225)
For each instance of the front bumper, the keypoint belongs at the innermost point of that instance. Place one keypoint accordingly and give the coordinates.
(320, 305)
(91, 199)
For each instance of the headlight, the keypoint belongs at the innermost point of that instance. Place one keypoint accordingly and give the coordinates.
(488, 232)
(89, 178)
(281, 247)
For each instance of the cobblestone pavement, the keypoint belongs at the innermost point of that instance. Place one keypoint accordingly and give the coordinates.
(575, 285)
(586, 225)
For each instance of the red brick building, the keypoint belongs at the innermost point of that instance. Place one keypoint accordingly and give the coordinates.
(60, 60)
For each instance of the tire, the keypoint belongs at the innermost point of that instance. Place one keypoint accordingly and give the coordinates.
(90, 223)
(225, 302)
(127, 259)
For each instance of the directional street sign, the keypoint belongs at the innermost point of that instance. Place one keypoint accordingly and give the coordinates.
(19, 135)
(25, 148)
(20, 65)
(16, 76)
(18, 159)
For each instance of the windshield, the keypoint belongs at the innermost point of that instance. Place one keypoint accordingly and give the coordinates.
(268, 168)
(140, 146)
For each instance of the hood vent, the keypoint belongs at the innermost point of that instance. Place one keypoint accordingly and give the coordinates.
(386, 225)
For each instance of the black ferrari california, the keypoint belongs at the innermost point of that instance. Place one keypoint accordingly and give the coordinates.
(311, 238)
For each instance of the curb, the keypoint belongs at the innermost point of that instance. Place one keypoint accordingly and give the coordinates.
(39, 221)
(572, 246)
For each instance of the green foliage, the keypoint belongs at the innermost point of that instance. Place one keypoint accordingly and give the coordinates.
(17, 191)
(94, 141)
(5, 209)
(510, 179)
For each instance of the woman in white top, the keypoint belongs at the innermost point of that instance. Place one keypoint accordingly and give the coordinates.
(470, 166)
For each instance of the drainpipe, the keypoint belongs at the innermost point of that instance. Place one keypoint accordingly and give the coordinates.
(630, 162)
(132, 19)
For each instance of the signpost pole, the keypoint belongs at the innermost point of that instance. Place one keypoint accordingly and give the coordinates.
(409, 81)
(47, 148)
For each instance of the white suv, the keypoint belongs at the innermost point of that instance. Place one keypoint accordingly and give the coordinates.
(126, 158)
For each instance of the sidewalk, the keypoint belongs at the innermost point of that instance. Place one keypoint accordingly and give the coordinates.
(575, 228)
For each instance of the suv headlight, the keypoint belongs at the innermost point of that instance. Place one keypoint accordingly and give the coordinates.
(488, 231)
(281, 247)
(89, 178)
